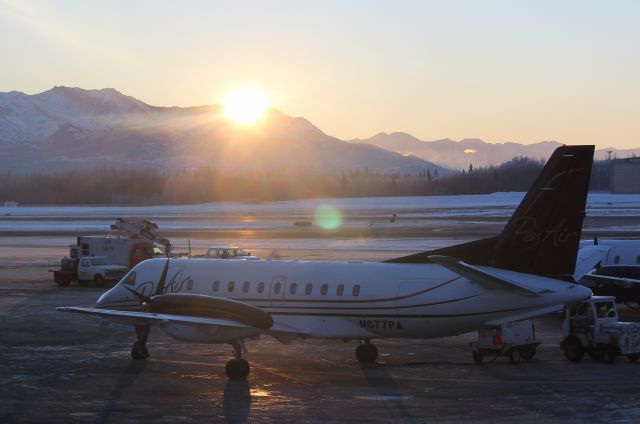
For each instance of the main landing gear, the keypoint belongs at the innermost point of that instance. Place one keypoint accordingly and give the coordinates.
(139, 351)
(366, 352)
(238, 368)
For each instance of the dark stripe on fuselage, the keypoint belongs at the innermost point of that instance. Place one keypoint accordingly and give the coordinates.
(402, 315)
(372, 315)
(366, 308)
(375, 308)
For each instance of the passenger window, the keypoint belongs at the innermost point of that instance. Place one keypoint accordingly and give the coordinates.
(356, 290)
(216, 286)
(340, 290)
(261, 287)
(323, 289)
(293, 287)
(130, 280)
(276, 288)
(189, 284)
(245, 287)
(231, 286)
(616, 260)
(308, 288)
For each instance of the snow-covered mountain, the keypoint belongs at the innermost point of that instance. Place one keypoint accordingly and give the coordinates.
(66, 128)
(459, 154)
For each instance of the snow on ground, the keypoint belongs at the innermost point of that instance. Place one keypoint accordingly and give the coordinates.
(605, 201)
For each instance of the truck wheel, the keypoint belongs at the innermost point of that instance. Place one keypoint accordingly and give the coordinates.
(528, 352)
(609, 355)
(83, 283)
(98, 281)
(573, 349)
(514, 356)
(633, 357)
(477, 357)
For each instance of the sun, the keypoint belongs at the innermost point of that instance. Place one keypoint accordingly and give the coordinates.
(246, 106)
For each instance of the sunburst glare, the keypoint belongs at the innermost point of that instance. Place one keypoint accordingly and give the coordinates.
(246, 106)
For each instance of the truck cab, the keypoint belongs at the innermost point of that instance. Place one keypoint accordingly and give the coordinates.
(98, 270)
(592, 327)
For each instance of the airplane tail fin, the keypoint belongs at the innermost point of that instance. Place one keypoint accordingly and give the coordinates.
(543, 234)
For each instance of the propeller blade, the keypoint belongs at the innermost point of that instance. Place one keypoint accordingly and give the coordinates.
(163, 277)
(141, 298)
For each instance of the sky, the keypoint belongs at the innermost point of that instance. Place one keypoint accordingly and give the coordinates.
(523, 71)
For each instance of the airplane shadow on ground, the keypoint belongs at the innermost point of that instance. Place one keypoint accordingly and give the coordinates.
(388, 391)
(126, 378)
(236, 401)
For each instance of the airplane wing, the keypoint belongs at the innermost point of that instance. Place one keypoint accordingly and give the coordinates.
(526, 315)
(135, 317)
(491, 278)
(609, 280)
(588, 258)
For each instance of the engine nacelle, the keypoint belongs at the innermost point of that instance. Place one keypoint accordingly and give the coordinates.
(197, 305)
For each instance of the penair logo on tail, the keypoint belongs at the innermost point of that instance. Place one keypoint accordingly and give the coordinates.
(525, 233)
(529, 235)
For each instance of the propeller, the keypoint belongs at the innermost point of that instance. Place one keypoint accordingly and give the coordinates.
(163, 277)
(146, 300)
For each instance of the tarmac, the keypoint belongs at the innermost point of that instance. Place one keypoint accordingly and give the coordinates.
(58, 367)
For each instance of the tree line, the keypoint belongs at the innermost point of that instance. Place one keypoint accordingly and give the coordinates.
(150, 186)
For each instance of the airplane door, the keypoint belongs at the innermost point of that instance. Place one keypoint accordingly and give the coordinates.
(276, 290)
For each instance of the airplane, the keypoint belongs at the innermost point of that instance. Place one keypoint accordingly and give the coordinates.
(613, 268)
(522, 273)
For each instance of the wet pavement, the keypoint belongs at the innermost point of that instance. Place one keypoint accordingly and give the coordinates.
(58, 367)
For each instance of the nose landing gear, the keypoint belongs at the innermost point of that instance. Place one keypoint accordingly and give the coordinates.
(366, 352)
(238, 368)
(139, 351)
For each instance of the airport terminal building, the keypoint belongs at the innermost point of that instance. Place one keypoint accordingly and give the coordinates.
(625, 176)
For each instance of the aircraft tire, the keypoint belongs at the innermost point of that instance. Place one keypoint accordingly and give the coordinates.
(139, 352)
(366, 353)
(573, 349)
(237, 369)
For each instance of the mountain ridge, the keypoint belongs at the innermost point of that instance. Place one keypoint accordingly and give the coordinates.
(67, 127)
(460, 154)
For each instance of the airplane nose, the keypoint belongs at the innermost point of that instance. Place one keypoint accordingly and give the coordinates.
(113, 298)
(102, 300)
(577, 293)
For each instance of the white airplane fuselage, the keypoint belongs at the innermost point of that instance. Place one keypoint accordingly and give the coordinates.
(340, 300)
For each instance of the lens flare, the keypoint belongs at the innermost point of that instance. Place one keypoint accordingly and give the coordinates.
(246, 106)
(328, 217)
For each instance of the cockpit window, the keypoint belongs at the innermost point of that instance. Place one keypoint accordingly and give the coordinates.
(130, 280)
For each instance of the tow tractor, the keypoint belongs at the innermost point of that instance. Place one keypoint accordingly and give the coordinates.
(592, 327)
(130, 242)
(517, 340)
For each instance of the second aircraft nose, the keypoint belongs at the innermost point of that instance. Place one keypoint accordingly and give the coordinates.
(577, 293)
